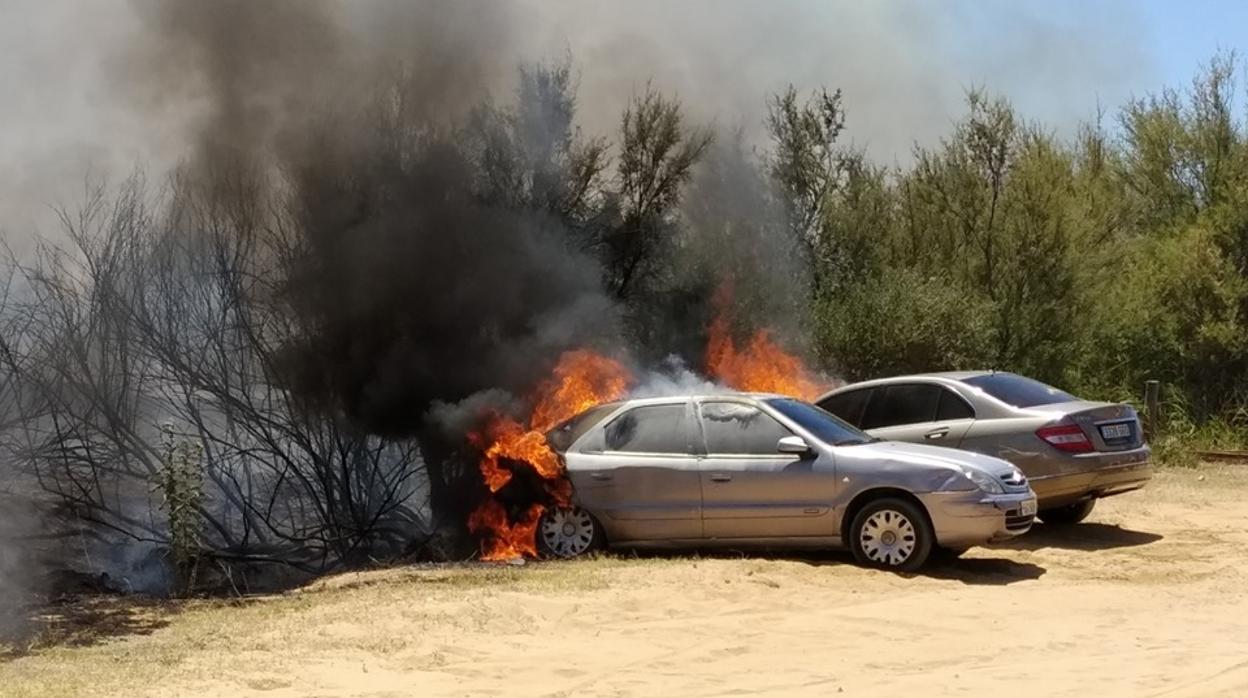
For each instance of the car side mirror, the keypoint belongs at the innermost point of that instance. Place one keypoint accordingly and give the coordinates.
(793, 444)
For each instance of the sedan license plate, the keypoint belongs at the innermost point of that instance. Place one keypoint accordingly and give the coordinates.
(1027, 508)
(1111, 432)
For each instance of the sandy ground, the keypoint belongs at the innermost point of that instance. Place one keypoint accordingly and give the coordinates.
(1150, 598)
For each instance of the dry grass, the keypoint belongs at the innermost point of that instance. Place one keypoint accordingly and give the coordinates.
(460, 629)
(108, 645)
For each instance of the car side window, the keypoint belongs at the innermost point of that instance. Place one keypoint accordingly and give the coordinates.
(900, 404)
(649, 429)
(734, 428)
(952, 406)
(849, 406)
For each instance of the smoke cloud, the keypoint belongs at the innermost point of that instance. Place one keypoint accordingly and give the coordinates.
(108, 85)
(417, 291)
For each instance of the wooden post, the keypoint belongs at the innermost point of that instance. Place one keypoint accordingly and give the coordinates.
(1152, 389)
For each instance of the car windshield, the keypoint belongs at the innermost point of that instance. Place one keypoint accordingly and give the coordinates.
(1018, 391)
(822, 424)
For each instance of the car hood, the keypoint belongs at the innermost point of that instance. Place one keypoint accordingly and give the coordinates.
(938, 456)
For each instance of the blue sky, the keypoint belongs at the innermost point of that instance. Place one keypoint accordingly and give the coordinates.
(1184, 35)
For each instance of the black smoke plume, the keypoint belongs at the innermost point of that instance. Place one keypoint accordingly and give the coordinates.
(440, 243)
(412, 284)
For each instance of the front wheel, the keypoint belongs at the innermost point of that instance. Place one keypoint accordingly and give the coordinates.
(1069, 514)
(891, 534)
(568, 532)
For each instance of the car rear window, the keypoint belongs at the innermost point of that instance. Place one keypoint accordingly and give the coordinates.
(1013, 389)
(952, 407)
(649, 429)
(563, 436)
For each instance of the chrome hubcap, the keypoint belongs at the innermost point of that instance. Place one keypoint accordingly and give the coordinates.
(567, 532)
(887, 536)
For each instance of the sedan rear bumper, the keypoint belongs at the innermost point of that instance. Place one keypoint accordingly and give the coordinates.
(963, 519)
(1100, 475)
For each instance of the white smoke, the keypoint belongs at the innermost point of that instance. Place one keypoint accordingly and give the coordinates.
(673, 378)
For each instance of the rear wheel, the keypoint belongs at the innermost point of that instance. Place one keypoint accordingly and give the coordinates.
(1069, 514)
(891, 534)
(568, 532)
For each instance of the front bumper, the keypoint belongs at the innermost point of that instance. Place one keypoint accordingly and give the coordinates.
(963, 519)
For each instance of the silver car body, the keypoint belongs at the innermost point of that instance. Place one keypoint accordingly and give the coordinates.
(998, 429)
(699, 497)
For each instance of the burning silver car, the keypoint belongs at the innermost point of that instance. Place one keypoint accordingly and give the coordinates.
(754, 470)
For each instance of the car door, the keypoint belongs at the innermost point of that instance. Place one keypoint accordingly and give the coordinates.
(749, 488)
(919, 413)
(639, 475)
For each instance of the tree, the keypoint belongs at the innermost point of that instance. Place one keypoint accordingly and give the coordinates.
(809, 168)
(532, 155)
(657, 154)
(172, 323)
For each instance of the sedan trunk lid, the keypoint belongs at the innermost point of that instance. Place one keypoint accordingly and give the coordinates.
(1109, 426)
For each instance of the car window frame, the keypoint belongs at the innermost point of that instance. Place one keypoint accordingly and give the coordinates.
(883, 390)
(690, 447)
(946, 390)
(704, 447)
(857, 423)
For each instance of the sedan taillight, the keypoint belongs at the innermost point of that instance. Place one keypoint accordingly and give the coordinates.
(1065, 437)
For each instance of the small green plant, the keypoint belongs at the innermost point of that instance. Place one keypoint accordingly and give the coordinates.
(1182, 437)
(182, 484)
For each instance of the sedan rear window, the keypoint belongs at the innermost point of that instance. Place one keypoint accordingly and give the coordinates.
(952, 407)
(1013, 389)
(563, 436)
(649, 429)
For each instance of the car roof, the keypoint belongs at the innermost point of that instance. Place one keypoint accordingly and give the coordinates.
(682, 397)
(940, 375)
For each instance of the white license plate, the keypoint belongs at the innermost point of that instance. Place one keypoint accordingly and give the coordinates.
(1027, 508)
(1116, 431)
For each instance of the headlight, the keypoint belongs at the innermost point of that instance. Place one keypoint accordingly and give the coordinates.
(983, 481)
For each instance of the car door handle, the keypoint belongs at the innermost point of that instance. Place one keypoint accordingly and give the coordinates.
(937, 434)
(720, 477)
(600, 476)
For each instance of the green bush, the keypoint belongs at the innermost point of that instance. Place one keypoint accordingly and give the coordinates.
(902, 322)
(1172, 315)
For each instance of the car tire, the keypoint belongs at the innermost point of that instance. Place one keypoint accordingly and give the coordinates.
(891, 534)
(568, 532)
(1069, 514)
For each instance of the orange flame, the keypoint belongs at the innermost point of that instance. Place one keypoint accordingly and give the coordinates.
(581, 379)
(504, 539)
(761, 366)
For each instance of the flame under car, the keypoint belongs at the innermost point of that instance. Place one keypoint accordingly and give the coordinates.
(757, 470)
